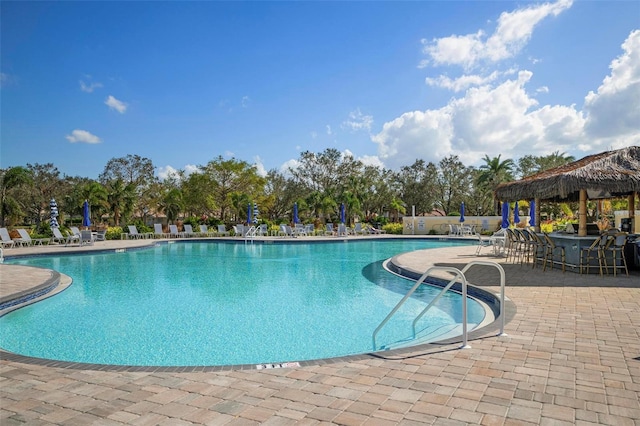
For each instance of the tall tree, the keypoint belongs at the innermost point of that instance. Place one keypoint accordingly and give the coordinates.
(232, 176)
(454, 181)
(10, 180)
(419, 183)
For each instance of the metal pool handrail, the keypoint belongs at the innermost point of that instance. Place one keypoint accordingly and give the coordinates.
(459, 275)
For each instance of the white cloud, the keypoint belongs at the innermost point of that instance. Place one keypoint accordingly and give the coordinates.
(513, 31)
(329, 132)
(90, 86)
(358, 121)
(113, 103)
(171, 172)
(82, 136)
(190, 168)
(245, 101)
(461, 83)
(289, 164)
(502, 119)
(229, 154)
(613, 112)
(260, 166)
(166, 172)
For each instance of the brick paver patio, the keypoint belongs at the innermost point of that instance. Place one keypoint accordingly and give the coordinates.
(571, 356)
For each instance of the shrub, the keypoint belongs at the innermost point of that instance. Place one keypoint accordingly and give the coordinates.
(393, 228)
(113, 233)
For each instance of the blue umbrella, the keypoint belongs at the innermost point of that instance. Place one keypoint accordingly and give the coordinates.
(462, 212)
(255, 213)
(505, 214)
(54, 213)
(86, 214)
(249, 213)
(295, 213)
(342, 213)
(532, 213)
(516, 214)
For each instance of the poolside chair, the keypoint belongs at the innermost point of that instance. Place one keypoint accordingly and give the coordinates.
(26, 238)
(101, 235)
(158, 232)
(134, 234)
(57, 236)
(483, 241)
(173, 231)
(373, 230)
(6, 239)
(329, 230)
(358, 229)
(86, 237)
(205, 232)
(286, 231)
(222, 230)
(262, 230)
(188, 231)
(299, 229)
(342, 230)
(238, 230)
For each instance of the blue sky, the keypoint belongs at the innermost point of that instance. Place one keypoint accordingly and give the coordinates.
(388, 82)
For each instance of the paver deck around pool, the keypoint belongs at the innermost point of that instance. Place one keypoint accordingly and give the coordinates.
(571, 356)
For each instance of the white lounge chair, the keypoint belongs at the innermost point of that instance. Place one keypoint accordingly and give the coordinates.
(342, 230)
(26, 238)
(158, 232)
(358, 229)
(299, 229)
(173, 231)
(134, 234)
(188, 231)
(6, 239)
(205, 232)
(101, 235)
(57, 236)
(222, 230)
(329, 230)
(286, 231)
(239, 230)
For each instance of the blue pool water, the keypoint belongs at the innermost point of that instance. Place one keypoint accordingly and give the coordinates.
(215, 303)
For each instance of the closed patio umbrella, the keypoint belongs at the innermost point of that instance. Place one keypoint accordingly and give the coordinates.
(53, 206)
(516, 214)
(342, 213)
(462, 212)
(505, 215)
(248, 213)
(86, 214)
(532, 213)
(256, 212)
(295, 213)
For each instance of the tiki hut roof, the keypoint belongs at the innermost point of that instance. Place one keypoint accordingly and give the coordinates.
(610, 174)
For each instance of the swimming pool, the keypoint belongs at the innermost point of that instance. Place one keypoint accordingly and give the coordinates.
(217, 303)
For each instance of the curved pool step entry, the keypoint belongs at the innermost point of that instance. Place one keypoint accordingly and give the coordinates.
(458, 277)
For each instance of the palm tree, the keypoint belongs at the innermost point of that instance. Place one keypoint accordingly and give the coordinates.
(493, 173)
(120, 198)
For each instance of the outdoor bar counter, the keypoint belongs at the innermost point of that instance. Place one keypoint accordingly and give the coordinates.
(573, 246)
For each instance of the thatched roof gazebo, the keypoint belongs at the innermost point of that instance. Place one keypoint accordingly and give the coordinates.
(610, 174)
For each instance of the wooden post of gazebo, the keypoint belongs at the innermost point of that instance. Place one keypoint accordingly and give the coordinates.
(536, 225)
(582, 214)
(631, 201)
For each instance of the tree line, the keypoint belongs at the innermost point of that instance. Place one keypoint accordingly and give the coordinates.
(221, 190)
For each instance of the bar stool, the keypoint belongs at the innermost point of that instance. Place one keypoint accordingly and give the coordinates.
(550, 251)
(586, 253)
(615, 246)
